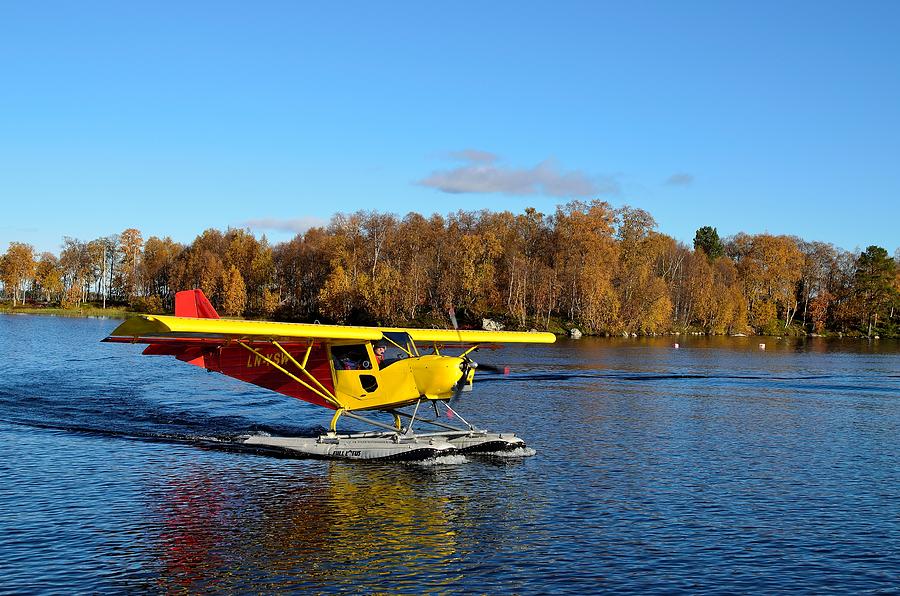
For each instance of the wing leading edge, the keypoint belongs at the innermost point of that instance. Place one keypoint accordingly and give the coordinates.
(146, 327)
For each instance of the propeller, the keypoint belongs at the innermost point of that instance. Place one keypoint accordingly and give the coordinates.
(500, 370)
(452, 313)
(468, 365)
(465, 366)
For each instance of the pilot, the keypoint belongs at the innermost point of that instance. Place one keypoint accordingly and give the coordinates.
(379, 353)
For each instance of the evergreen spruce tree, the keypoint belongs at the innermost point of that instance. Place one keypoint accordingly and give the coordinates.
(707, 239)
(874, 285)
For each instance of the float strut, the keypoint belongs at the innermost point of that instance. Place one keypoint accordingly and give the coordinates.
(337, 414)
(409, 430)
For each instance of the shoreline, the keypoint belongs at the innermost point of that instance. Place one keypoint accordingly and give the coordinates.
(122, 314)
(81, 313)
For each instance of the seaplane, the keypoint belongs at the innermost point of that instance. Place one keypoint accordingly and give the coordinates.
(408, 377)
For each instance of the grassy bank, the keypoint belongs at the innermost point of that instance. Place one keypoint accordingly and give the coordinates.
(82, 311)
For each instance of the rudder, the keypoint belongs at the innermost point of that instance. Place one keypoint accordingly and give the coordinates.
(194, 304)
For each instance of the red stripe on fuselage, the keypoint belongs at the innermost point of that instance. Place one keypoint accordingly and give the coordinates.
(233, 360)
(242, 364)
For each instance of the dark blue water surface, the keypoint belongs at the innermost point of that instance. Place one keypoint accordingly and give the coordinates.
(714, 468)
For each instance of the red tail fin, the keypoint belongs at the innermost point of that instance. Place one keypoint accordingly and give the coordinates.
(193, 303)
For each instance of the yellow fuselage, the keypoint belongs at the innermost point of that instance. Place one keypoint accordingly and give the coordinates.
(399, 383)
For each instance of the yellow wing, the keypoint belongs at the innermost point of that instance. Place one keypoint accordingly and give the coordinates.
(185, 327)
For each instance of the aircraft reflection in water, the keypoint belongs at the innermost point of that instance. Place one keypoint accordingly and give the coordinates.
(192, 518)
(338, 368)
(312, 530)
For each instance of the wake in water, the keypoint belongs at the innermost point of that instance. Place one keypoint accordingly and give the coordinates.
(441, 460)
(232, 442)
(800, 381)
(564, 375)
(517, 453)
(458, 459)
(106, 410)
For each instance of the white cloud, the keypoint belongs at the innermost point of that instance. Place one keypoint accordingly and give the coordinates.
(473, 155)
(481, 175)
(297, 225)
(680, 179)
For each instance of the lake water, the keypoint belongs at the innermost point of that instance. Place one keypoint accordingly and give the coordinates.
(713, 468)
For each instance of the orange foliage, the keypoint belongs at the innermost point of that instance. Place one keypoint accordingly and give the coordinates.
(606, 270)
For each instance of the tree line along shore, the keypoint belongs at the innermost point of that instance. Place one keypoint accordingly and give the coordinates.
(605, 270)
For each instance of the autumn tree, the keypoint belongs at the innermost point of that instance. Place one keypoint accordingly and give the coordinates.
(347, 286)
(210, 271)
(443, 236)
(771, 268)
(253, 259)
(737, 246)
(587, 257)
(526, 279)
(727, 310)
(75, 262)
(365, 257)
(415, 246)
(48, 277)
(72, 297)
(234, 293)
(108, 269)
(96, 261)
(300, 269)
(16, 269)
(818, 266)
(646, 306)
(269, 303)
(337, 296)
(476, 271)
(158, 268)
(843, 312)
(383, 262)
(200, 266)
(130, 247)
(818, 310)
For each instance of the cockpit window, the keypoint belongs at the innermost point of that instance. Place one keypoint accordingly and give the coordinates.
(400, 340)
(392, 354)
(354, 357)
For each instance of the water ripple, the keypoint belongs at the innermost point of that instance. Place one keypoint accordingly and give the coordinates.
(715, 468)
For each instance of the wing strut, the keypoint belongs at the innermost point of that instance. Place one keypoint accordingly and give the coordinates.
(302, 367)
(323, 393)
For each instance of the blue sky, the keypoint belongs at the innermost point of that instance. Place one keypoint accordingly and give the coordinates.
(176, 117)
